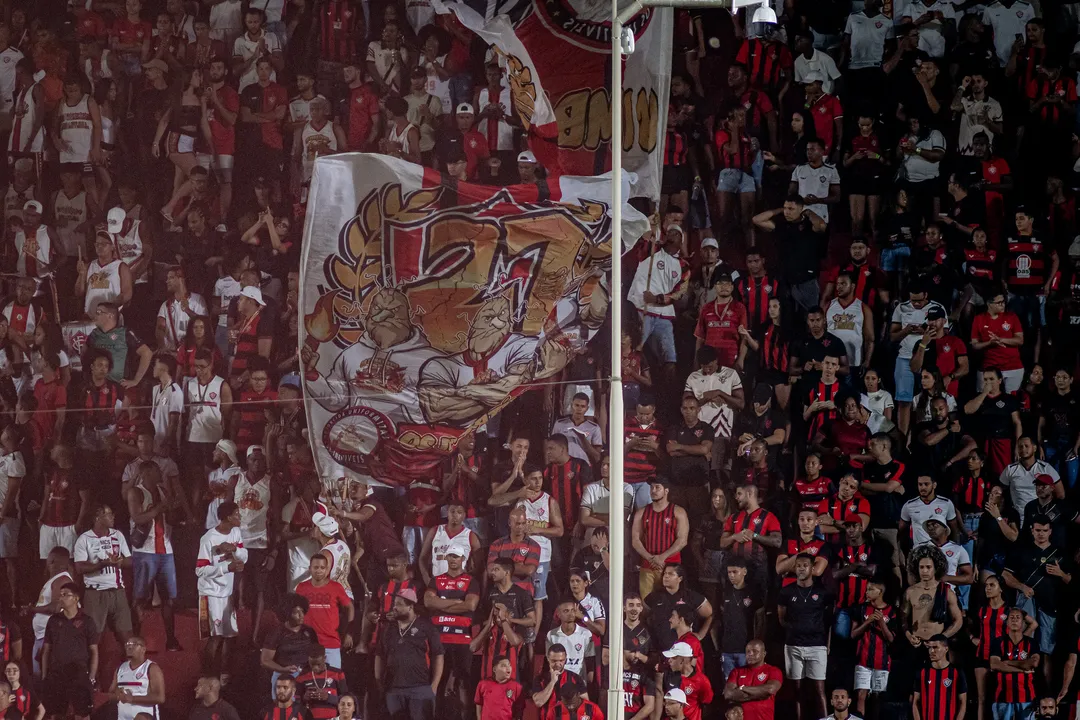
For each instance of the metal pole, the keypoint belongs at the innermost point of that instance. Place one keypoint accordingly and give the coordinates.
(617, 513)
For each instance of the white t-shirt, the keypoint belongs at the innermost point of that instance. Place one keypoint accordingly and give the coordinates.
(868, 36)
(244, 47)
(716, 413)
(932, 34)
(969, 125)
(1007, 23)
(11, 466)
(816, 181)
(164, 403)
(8, 59)
(254, 502)
(596, 497)
(876, 403)
(820, 63)
(578, 644)
(590, 430)
(955, 556)
(916, 512)
(212, 568)
(907, 314)
(1021, 482)
(226, 288)
(93, 548)
(928, 414)
(919, 168)
(177, 319)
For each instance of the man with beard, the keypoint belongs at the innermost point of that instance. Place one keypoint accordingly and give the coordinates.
(941, 442)
(409, 664)
(223, 107)
(638, 685)
(286, 706)
(461, 388)
(750, 534)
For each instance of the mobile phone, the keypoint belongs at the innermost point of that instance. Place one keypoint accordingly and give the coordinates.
(1020, 36)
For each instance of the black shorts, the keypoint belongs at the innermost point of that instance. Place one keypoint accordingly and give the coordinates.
(458, 659)
(68, 685)
(253, 568)
(676, 179)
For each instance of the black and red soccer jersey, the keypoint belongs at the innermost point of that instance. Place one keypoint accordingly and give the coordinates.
(823, 391)
(939, 692)
(851, 591)
(755, 294)
(453, 629)
(565, 482)
(991, 629)
(970, 493)
(798, 546)
(872, 651)
(1014, 687)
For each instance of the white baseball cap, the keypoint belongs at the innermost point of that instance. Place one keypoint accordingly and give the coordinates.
(526, 156)
(465, 108)
(679, 649)
(116, 219)
(254, 293)
(676, 695)
(710, 242)
(32, 205)
(327, 525)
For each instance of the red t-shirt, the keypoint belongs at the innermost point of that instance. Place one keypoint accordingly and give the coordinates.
(224, 136)
(50, 396)
(476, 149)
(825, 111)
(126, 32)
(363, 109)
(719, 328)
(90, 24)
(695, 645)
(497, 700)
(1005, 326)
(322, 615)
(747, 676)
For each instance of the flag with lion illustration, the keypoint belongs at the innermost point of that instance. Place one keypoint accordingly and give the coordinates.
(430, 304)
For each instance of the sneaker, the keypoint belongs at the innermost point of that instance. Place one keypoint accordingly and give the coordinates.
(173, 645)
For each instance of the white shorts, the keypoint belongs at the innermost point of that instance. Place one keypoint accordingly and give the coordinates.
(806, 663)
(51, 536)
(872, 680)
(217, 617)
(221, 165)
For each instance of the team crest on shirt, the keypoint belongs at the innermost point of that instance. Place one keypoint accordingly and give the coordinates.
(509, 694)
(814, 597)
(1023, 655)
(852, 508)
(1019, 13)
(1000, 404)
(746, 601)
(862, 557)
(139, 675)
(950, 553)
(761, 677)
(413, 632)
(660, 265)
(878, 24)
(946, 348)
(937, 511)
(460, 584)
(1006, 326)
(947, 682)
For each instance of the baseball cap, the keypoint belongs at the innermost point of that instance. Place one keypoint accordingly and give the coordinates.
(254, 293)
(465, 108)
(936, 313)
(327, 525)
(526, 157)
(407, 594)
(850, 518)
(116, 219)
(252, 449)
(229, 448)
(710, 242)
(156, 64)
(939, 521)
(291, 380)
(32, 205)
(679, 649)
(454, 550)
(763, 393)
(721, 276)
(1044, 479)
(676, 695)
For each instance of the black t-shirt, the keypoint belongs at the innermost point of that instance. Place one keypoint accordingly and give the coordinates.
(1060, 513)
(799, 246)
(737, 607)
(408, 656)
(975, 58)
(518, 601)
(900, 228)
(593, 563)
(995, 416)
(807, 614)
(929, 459)
(885, 507)
(991, 540)
(1062, 414)
(689, 470)
(1027, 563)
(69, 639)
(661, 603)
(221, 710)
(812, 348)
(763, 425)
(291, 648)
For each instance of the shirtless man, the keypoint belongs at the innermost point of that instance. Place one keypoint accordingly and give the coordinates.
(919, 600)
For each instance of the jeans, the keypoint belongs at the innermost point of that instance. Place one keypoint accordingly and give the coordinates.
(1012, 711)
(806, 295)
(842, 624)
(1057, 455)
(1047, 633)
(730, 661)
(38, 644)
(414, 703)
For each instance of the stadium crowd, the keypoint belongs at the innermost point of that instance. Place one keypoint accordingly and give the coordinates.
(852, 440)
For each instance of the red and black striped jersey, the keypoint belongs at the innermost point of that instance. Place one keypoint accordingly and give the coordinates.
(25, 700)
(872, 651)
(755, 294)
(971, 493)
(339, 30)
(760, 521)
(640, 465)
(775, 349)
(810, 493)
(1027, 264)
(980, 268)
(9, 635)
(1014, 687)
(939, 692)
(1027, 60)
(823, 391)
(852, 590)
(767, 63)
(295, 711)
(659, 530)
(740, 157)
(798, 546)
(991, 629)
(868, 280)
(332, 680)
(453, 629)
(676, 148)
(565, 482)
